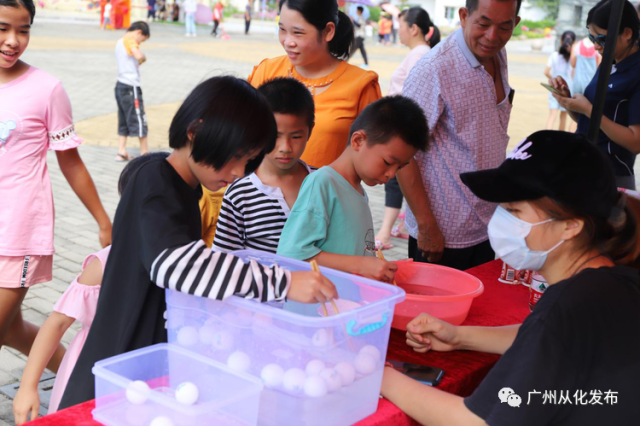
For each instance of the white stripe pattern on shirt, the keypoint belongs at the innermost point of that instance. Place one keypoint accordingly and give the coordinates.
(198, 270)
(251, 217)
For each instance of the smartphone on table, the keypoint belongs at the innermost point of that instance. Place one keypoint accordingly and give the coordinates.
(422, 373)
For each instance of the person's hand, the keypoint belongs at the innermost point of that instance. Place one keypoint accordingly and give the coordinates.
(578, 104)
(426, 333)
(26, 401)
(105, 235)
(561, 86)
(377, 269)
(430, 241)
(142, 60)
(311, 287)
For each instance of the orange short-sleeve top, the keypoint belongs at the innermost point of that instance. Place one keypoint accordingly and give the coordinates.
(351, 90)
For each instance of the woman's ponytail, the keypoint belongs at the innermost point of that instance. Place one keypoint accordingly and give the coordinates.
(623, 247)
(344, 39)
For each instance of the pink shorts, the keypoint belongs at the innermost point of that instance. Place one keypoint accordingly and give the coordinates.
(25, 271)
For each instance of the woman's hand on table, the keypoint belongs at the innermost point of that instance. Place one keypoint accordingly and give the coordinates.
(425, 333)
(26, 401)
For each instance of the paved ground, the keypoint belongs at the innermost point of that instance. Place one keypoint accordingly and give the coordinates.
(71, 47)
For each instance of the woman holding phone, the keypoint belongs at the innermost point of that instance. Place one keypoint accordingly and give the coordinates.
(559, 214)
(619, 136)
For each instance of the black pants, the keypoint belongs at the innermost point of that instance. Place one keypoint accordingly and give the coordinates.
(247, 24)
(360, 45)
(461, 259)
(215, 27)
(392, 194)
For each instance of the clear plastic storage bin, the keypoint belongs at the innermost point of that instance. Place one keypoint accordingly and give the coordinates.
(317, 370)
(224, 397)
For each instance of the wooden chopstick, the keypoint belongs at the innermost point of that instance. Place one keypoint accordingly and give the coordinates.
(315, 268)
(380, 256)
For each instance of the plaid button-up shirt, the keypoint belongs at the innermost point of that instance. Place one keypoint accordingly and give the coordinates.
(467, 132)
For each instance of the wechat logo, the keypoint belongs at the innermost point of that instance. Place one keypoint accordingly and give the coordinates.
(509, 396)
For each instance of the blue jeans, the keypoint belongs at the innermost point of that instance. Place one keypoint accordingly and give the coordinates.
(190, 21)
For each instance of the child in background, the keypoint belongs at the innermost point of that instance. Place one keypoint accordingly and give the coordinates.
(78, 303)
(35, 116)
(256, 207)
(559, 65)
(217, 17)
(219, 134)
(331, 221)
(106, 16)
(132, 120)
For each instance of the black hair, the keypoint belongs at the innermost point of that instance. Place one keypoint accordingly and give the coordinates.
(319, 13)
(599, 15)
(142, 26)
(393, 116)
(222, 118)
(419, 17)
(435, 37)
(288, 96)
(27, 4)
(472, 5)
(360, 9)
(134, 165)
(566, 42)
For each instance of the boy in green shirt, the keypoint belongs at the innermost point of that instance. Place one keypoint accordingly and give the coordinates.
(331, 221)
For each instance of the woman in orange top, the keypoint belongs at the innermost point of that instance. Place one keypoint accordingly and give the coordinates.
(318, 40)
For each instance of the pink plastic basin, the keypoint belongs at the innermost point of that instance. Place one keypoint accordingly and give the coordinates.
(443, 292)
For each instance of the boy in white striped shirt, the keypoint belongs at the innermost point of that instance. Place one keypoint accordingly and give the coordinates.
(256, 207)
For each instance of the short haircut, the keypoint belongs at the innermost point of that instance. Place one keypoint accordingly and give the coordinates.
(27, 4)
(142, 26)
(222, 118)
(134, 165)
(393, 116)
(472, 5)
(360, 9)
(289, 96)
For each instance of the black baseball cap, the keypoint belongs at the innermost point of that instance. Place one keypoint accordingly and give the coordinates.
(563, 166)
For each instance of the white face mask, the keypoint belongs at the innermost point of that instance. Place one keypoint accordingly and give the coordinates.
(507, 235)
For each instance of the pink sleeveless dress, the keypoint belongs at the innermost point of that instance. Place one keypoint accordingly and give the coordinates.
(78, 302)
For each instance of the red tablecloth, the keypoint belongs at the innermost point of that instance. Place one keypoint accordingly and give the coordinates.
(500, 304)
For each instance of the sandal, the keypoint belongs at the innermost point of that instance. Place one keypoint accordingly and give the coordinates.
(122, 158)
(395, 232)
(385, 246)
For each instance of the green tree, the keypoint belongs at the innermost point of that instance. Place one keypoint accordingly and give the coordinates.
(550, 7)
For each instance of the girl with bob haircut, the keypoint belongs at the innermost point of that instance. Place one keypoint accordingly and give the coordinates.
(619, 136)
(219, 134)
(318, 39)
(560, 214)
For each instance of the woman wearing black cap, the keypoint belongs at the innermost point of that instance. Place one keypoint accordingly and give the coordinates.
(559, 214)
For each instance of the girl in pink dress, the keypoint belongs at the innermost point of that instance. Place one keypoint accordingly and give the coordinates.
(35, 117)
(78, 303)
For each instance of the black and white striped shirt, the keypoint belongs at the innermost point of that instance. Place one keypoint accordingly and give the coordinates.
(252, 216)
(198, 270)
